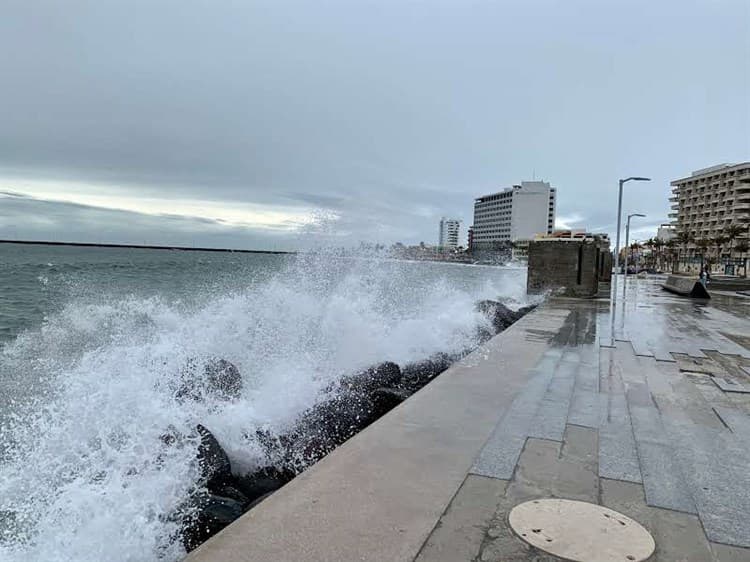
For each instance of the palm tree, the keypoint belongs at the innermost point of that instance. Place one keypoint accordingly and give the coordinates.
(742, 247)
(650, 245)
(635, 246)
(719, 240)
(683, 239)
(658, 244)
(732, 232)
(702, 244)
(672, 253)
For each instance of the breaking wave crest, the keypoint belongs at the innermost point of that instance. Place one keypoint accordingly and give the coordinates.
(85, 474)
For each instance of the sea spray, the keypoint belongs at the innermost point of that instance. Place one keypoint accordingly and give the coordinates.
(85, 473)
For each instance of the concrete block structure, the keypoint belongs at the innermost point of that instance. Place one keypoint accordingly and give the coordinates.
(573, 267)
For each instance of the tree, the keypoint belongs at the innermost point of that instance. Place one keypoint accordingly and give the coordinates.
(650, 245)
(658, 244)
(683, 239)
(703, 244)
(719, 240)
(634, 247)
(671, 252)
(732, 232)
(742, 247)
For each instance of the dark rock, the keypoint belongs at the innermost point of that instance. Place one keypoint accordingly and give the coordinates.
(382, 375)
(524, 310)
(330, 423)
(262, 482)
(212, 514)
(233, 493)
(214, 462)
(224, 379)
(415, 375)
(218, 378)
(385, 399)
(500, 315)
(252, 504)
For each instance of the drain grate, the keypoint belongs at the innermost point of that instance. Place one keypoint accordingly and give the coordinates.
(581, 531)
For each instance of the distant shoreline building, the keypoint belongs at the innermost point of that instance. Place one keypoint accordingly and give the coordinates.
(513, 214)
(709, 207)
(449, 233)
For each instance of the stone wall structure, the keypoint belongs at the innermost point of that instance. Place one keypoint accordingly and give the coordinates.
(572, 267)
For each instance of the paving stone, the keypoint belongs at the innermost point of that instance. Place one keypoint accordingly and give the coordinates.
(545, 469)
(549, 420)
(663, 354)
(618, 456)
(563, 470)
(737, 421)
(726, 553)
(642, 348)
(610, 379)
(715, 465)
(584, 405)
(663, 480)
(730, 385)
(461, 530)
(500, 454)
(678, 536)
(638, 394)
(584, 408)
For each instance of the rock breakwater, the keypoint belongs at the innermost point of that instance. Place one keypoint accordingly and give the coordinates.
(346, 408)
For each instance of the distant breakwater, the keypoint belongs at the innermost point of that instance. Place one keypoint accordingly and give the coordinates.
(347, 407)
(141, 247)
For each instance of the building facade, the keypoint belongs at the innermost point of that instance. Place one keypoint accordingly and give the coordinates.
(513, 214)
(666, 232)
(449, 233)
(708, 207)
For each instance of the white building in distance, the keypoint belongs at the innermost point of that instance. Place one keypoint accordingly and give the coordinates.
(449, 233)
(517, 213)
(666, 232)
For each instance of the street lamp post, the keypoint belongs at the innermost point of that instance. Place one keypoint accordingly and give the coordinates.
(619, 226)
(627, 238)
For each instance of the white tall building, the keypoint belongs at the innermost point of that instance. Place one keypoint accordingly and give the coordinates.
(449, 233)
(666, 232)
(516, 213)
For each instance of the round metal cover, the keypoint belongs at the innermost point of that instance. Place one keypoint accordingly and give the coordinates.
(581, 531)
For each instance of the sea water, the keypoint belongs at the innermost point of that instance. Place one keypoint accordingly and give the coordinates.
(93, 342)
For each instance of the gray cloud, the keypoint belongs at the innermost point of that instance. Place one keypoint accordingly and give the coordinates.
(28, 218)
(384, 114)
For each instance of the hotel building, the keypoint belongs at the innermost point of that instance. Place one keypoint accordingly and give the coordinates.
(516, 213)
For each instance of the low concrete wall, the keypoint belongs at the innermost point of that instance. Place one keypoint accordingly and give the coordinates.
(686, 286)
(378, 496)
(721, 283)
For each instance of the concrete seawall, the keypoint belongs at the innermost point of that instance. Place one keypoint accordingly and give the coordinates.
(379, 495)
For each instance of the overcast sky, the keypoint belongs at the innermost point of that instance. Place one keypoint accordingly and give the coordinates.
(281, 124)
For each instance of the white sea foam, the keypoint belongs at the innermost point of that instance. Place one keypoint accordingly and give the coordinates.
(83, 473)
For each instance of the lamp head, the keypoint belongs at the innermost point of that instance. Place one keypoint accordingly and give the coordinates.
(636, 178)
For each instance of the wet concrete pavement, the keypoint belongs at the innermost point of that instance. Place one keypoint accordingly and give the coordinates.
(637, 405)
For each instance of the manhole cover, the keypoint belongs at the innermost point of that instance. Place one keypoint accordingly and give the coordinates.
(581, 531)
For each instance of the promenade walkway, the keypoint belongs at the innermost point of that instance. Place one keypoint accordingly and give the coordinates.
(643, 407)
